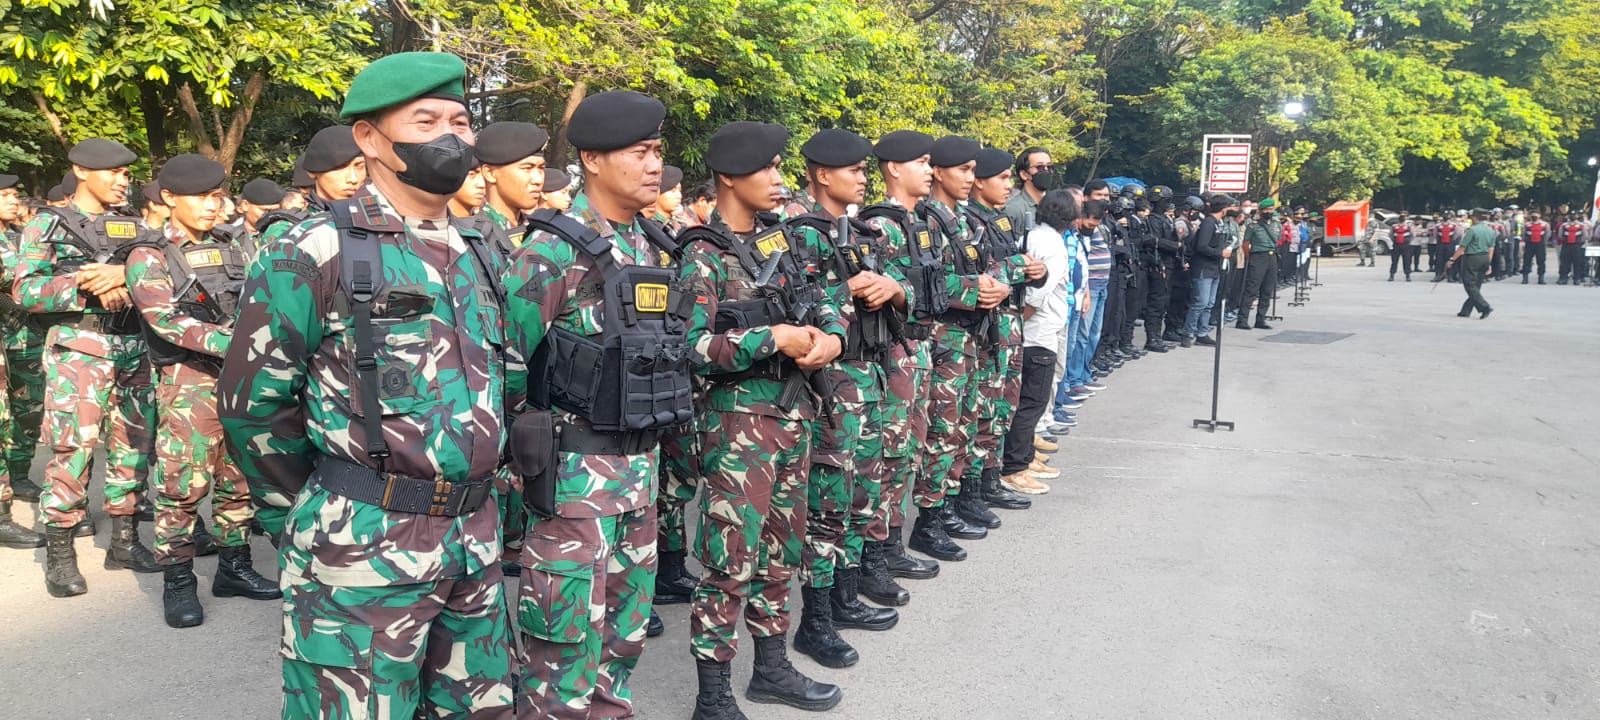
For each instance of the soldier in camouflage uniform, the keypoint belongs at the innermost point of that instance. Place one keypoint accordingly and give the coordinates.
(185, 286)
(908, 178)
(95, 365)
(512, 154)
(999, 375)
(957, 334)
(600, 276)
(757, 419)
(24, 349)
(362, 396)
(12, 535)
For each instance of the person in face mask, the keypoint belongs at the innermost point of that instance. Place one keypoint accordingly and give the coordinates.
(1035, 175)
(387, 278)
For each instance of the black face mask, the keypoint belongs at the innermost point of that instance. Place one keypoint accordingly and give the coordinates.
(1044, 180)
(438, 166)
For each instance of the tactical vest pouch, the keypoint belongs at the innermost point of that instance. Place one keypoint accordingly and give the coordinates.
(535, 455)
(739, 314)
(657, 382)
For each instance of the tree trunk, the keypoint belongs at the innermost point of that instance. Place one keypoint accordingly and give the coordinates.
(242, 115)
(558, 151)
(197, 123)
(155, 121)
(51, 117)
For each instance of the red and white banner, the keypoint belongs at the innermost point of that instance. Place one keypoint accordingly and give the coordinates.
(1225, 164)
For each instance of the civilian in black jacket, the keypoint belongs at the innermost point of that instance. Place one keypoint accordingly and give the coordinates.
(1207, 251)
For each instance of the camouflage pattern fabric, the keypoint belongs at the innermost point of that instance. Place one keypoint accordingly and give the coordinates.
(999, 378)
(365, 586)
(681, 454)
(752, 529)
(952, 419)
(189, 443)
(436, 649)
(583, 603)
(23, 339)
(835, 440)
(904, 410)
(513, 513)
(871, 480)
(93, 379)
(5, 426)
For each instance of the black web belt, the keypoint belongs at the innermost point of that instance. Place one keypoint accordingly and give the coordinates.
(587, 441)
(399, 493)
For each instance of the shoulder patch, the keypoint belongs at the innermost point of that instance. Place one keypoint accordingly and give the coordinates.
(304, 270)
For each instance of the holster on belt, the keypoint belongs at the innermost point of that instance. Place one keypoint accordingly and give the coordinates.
(535, 455)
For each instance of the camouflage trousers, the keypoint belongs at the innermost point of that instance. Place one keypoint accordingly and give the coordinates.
(680, 475)
(752, 528)
(867, 488)
(24, 401)
(999, 385)
(952, 424)
(86, 392)
(903, 416)
(584, 600)
(193, 462)
(5, 426)
(830, 489)
(513, 511)
(429, 650)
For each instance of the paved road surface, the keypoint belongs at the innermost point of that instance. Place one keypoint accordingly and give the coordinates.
(1403, 526)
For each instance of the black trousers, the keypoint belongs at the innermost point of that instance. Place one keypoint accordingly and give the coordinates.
(1531, 253)
(1261, 275)
(1573, 263)
(1038, 369)
(1178, 293)
(1133, 297)
(1474, 267)
(1155, 302)
(1403, 256)
(1111, 321)
(1233, 287)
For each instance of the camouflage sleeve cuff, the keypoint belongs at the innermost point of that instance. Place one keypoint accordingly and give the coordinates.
(1014, 270)
(964, 292)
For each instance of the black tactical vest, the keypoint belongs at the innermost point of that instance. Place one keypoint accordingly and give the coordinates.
(636, 375)
(207, 279)
(859, 247)
(969, 251)
(104, 239)
(1000, 239)
(926, 274)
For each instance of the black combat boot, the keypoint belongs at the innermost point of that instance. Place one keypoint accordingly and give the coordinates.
(674, 584)
(144, 511)
(178, 597)
(125, 551)
(715, 699)
(956, 526)
(13, 535)
(970, 505)
(236, 577)
(205, 544)
(816, 636)
(61, 576)
(1261, 323)
(1524, 278)
(85, 527)
(905, 566)
(25, 489)
(849, 613)
(877, 583)
(654, 627)
(1541, 279)
(997, 496)
(776, 681)
(929, 537)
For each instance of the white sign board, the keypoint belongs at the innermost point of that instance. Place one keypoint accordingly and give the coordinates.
(1229, 169)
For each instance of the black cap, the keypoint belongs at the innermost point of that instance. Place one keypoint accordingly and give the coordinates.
(835, 148)
(302, 179)
(992, 162)
(556, 180)
(953, 150)
(671, 177)
(615, 119)
(191, 174)
(262, 191)
(330, 149)
(8, 181)
(151, 192)
(503, 143)
(69, 183)
(101, 154)
(743, 147)
(55, 194)
(903, 146)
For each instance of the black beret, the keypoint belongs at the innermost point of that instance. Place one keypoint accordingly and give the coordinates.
(101, 154)
(191, 174)
(953, 150)
(330, 149)
(835, 148)
(992, 162)
(743, 147)
(503, 143)
(556, 180)
(69, 182)
(903, 146)
(671, 177)
(614, 120)
(8, 181)
(55, 194)
(262, 191)
(302, 179)
(151, 192)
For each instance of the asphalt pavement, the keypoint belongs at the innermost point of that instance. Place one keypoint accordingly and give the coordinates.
(1400, 527)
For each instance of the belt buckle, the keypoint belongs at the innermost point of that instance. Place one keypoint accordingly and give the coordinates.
(444, 496)
(389, 480)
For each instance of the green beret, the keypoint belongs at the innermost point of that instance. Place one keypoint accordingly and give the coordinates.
(403, 77)
(1267, 204)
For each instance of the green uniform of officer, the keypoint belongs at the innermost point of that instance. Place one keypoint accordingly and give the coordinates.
(1475, 255)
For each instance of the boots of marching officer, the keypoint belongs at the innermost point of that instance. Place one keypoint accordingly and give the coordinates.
(816, 636)
(876, 581)
(126, 552)
(775, 680)
(906, 566)
(928, 537)
(715, 700)
(970, 505)
(849, 613)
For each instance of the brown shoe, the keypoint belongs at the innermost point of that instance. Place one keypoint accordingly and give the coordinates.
(1025, 483)
(1045, 446)
(1042, 471)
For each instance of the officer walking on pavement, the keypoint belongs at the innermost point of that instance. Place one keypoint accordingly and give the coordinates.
(1475, 254)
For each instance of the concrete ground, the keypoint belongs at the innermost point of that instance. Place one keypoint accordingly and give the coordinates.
(1399, 528)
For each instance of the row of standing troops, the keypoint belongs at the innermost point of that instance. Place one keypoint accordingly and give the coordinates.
(1521, 242)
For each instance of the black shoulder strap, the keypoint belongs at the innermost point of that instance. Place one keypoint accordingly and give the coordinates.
(76, 224)
(578, 235)
(659, 237)
(361, 274)
(894, 213)
(716, 237)
(273, 217)
(482, 252)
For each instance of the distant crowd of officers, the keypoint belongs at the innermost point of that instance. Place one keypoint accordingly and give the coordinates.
(434, 362)
(1523, 242)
